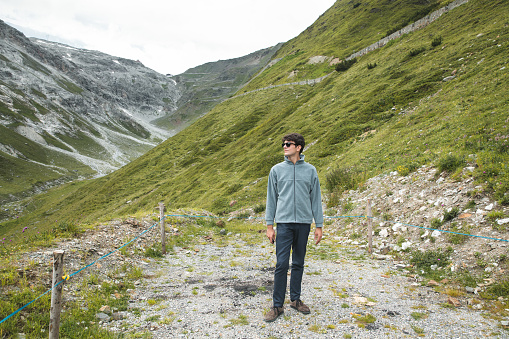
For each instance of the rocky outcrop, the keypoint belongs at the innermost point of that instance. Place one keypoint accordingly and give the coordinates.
(426, 210)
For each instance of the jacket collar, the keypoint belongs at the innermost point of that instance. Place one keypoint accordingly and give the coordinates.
(298, 161)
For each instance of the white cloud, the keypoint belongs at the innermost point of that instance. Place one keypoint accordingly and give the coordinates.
(167, 36)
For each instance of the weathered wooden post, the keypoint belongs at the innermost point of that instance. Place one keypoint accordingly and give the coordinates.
(370, 226)
(163, 233)
(56, 294)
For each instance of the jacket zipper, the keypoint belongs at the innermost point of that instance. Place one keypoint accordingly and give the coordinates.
(294, 199)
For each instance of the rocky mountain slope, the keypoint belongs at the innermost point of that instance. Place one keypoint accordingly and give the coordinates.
(68, 112)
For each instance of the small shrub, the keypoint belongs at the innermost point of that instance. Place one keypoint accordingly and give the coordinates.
(453, 213)
(503, 199)
(494, 215)
(418, 315)
(467, 279)
(154, 318)
(354, 236)
(470, 204)
(347, 206)
(153, 252)
(259, 208)
(436, 223)
(424, 260)
(500, 289)
(437, 41)
(67, 227)
(243, 215)
(371, 66)
(364, 319)
(343, 179)
(406, 169)
(386, 216)
(457, 239)
(416, 51)
(402, 170)
(417, 330)
(345, 65)
(481, 263)
(450, 163)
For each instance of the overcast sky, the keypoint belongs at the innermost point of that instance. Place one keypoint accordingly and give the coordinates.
(168, 36)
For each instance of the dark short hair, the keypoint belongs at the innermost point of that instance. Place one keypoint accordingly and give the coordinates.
(297, 139)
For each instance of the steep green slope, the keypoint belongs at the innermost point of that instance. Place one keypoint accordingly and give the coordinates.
(399, 114)
(345, 28)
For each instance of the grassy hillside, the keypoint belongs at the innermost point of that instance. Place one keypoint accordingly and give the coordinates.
(345, 28)
(398, 115)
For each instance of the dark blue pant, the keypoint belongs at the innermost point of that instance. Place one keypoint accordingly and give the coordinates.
(289, 237)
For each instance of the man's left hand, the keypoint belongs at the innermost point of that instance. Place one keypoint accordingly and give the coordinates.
(318, 235)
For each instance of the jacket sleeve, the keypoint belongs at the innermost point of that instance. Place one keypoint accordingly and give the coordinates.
(316, 201)
(270, 207)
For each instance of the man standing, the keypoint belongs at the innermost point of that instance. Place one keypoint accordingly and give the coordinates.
(293, 201)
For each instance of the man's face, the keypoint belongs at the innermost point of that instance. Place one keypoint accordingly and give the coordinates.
(290, 149)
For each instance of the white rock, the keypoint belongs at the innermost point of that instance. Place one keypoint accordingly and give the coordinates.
(406, 245)
(440, 180)
(384, 233)
(489, 207)
(396, 227)
(502, 221)
(435, 234)
(426, 233)
(359, 300)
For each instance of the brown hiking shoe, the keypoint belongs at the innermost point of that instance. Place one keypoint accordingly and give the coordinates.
(300, 306)
(273, 314)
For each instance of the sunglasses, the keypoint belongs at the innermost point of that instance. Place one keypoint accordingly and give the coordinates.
(287, 144)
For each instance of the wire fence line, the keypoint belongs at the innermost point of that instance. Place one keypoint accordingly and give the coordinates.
(67, 277)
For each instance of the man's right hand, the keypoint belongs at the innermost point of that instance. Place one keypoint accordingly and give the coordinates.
(271, 234)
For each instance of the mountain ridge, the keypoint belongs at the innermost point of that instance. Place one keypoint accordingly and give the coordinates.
(66, 114)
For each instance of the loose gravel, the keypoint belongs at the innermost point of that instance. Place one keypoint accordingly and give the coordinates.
(222, 291)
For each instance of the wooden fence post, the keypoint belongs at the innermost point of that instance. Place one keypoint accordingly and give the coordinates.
(56, 294)
(370, 226)
(163, 233)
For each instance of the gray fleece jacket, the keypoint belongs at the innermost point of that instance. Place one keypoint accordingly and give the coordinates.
(293, 194)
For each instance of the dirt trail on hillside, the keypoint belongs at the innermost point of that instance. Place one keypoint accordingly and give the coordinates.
(212, 290)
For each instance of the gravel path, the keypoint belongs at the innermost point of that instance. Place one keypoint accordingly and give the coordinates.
(215, 291)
